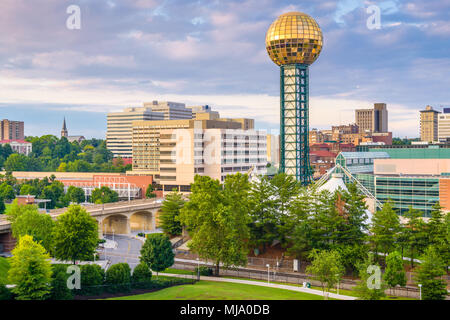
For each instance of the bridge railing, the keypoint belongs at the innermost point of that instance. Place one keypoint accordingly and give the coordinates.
(108, 205)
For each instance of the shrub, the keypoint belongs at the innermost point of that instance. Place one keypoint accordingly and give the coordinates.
(118, 278)
(92, 278)
(204, 271)
(5, 293)
(59, 290)
(141, 275)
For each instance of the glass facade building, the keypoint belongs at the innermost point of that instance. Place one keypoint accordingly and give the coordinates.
(419, 191)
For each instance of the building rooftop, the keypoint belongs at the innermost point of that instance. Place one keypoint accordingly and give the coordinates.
(365, 155)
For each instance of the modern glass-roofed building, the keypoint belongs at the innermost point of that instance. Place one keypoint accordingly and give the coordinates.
(407, 177)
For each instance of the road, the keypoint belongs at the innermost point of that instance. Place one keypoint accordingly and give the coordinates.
(128, 249)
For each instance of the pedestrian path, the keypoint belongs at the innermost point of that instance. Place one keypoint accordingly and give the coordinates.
(265, 284)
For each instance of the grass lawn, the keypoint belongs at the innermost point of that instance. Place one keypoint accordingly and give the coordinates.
(332, 290)
(210, 290)
(4, 267)
(177, 271)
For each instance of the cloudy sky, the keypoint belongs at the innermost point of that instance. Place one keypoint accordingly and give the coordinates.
(212, 52)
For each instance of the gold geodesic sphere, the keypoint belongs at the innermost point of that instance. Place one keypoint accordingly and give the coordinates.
(294, 37)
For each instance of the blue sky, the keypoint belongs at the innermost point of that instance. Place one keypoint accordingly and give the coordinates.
(212, 52)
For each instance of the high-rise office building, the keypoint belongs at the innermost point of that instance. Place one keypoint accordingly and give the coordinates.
(171, 110)
(146, 139)
(444, 126)
(198, 112)
(273, 149)
(372, 120)
(12, 130)
(119, 132)
(429, 124)
(206, 151)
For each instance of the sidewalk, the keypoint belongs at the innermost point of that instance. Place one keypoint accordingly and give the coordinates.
(265, 284)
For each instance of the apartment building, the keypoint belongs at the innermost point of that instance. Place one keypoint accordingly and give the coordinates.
(12, 130)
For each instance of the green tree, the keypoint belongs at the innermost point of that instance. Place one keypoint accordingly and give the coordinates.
(371, 285)
(438, 232)
(7, 191)
(16, 162)
(429, 275)
(141, 275)
(75, 235)
(28, 221)
(118, 278)
(75, 195)
(150, 192)
(325, 267)
(27, 189)
(385, 229)
(92, 278)
(104, 195)
(415, 234)
(395, 272)
(217, 219)
(30, 270)
(170, 212)
(263, 226)
(59, 289)
(2, 206)
(157, 252)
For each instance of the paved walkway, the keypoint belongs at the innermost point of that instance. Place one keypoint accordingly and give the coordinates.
(265, 284)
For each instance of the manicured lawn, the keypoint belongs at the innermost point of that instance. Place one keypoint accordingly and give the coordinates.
(210, 290)
(177, 271)
(333, 290)
(4, 267)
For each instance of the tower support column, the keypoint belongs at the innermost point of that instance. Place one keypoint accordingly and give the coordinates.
(294, 118)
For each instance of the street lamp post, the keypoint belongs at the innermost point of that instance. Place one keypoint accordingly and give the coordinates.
(268, 273)
(420, 291)
(113, 234)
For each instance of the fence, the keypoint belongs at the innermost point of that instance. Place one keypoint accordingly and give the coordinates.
(291, 278)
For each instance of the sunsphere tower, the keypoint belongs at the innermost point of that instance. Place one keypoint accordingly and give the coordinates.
(293, 42)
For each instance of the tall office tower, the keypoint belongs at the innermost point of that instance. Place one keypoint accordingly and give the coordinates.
(147, 134)
(199, 112)
(293, 42)
(119, 134)
(444, 126)
(372, 120)
(12, 130)
(429, 124)
(171, 110)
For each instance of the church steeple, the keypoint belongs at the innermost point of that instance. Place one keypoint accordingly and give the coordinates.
(64, 132)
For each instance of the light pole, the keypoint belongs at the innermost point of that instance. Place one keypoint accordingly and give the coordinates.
(268, 273)
(113, 234)
(420, 291)
(198, 269)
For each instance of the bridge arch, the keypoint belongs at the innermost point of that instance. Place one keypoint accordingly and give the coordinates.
(142, 221)
(120, 223)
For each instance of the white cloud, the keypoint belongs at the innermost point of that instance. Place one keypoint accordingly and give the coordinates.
(94, 96)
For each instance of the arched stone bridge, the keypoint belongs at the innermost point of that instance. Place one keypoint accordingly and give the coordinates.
(121, 217)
